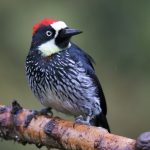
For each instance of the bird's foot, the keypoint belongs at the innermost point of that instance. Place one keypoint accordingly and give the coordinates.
(81, 120)
(46, 111)
(30, 117)
(35, 113)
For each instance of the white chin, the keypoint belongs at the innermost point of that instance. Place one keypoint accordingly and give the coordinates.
(48, 48)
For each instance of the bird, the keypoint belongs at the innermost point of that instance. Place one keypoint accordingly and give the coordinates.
(62, 76)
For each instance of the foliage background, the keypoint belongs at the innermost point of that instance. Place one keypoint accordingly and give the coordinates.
(116, 34)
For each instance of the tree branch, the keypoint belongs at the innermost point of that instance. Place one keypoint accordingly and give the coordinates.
(57, 133)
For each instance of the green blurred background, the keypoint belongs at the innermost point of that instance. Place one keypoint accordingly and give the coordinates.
(116, 34)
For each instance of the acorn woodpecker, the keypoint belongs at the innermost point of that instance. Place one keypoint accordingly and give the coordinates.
(61, 75)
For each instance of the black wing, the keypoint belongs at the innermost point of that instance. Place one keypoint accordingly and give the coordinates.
(87, 60)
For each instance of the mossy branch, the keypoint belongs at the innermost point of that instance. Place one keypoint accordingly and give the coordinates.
(57, 133)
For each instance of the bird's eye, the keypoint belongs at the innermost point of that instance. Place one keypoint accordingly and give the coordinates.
(48, 33)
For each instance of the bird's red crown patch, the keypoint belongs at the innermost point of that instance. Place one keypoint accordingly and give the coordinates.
(44, 22)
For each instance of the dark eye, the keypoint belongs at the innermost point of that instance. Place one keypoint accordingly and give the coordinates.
(48, 33)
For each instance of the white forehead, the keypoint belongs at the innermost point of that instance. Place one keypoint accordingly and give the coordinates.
(58, 25)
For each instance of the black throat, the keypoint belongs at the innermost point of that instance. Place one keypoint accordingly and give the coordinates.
(62, 42)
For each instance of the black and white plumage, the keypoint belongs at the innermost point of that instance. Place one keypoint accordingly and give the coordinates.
(62, 76)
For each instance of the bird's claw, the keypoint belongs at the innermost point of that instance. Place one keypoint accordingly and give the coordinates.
(29, 118)
(35, 113)
(46, 111)
(81, 120)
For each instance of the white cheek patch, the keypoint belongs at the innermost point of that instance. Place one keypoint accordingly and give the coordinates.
(49, 48)
(58, 26)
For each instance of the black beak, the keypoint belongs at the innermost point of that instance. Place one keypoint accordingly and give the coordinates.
(68, 32)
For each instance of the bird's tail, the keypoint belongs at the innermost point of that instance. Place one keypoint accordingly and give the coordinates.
(101, 121)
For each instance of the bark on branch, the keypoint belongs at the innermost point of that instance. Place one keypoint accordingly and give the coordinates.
(57, 133)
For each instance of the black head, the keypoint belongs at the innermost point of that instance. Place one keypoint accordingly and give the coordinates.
(51, 37)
